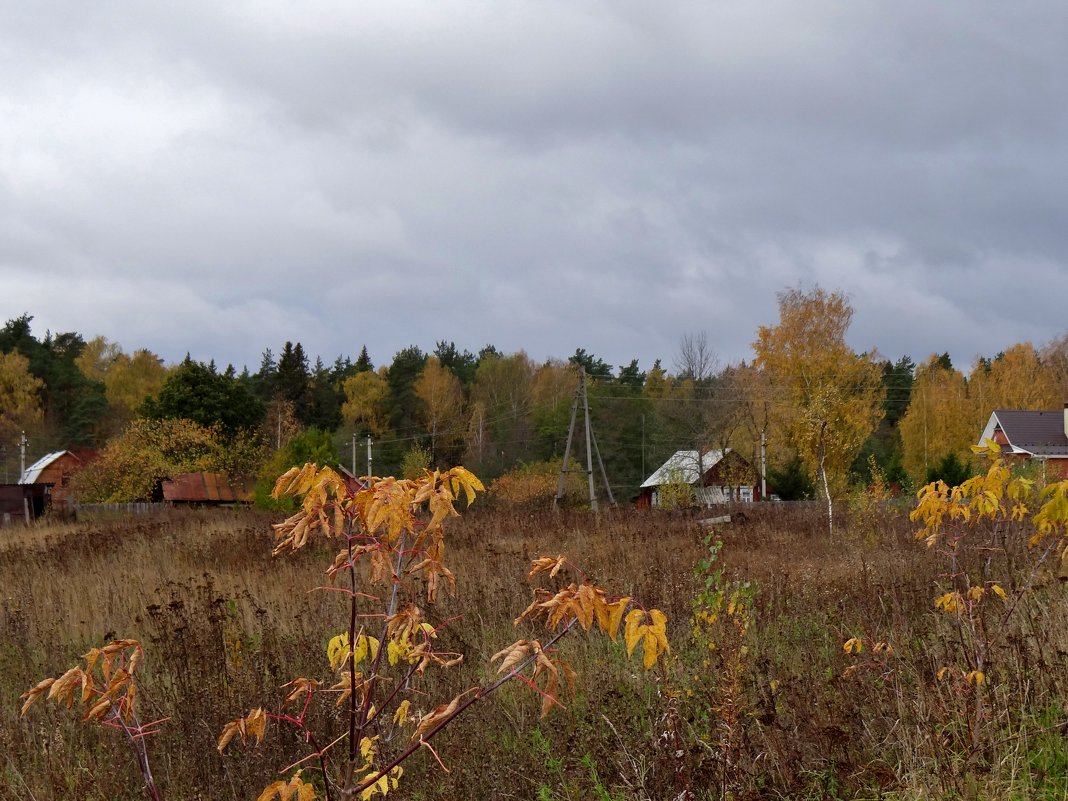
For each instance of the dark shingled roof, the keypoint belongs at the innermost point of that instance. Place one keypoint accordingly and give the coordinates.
(1040, 433)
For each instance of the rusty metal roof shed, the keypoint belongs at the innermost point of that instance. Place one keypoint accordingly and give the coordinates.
(206, 488)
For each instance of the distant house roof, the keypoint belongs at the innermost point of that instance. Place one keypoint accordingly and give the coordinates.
(683, 466)
(206, 488)
(1036, 433)
(33, 472)
(352, 481)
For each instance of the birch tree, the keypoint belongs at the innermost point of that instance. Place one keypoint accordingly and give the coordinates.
(938, 421)
(829, 398)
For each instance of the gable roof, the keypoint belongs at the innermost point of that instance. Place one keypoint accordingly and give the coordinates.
(1037, 433)
(683, 465)
(33, 472)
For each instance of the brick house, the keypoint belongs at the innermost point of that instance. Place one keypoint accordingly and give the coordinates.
(1040, 436)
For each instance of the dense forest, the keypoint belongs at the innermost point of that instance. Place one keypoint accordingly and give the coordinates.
(825, 411)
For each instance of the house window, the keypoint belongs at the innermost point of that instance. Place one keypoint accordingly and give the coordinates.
(745, 494)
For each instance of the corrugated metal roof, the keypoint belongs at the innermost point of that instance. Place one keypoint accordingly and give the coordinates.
(1038, 433)
(33, 472)
(206, 488)
(683, 465)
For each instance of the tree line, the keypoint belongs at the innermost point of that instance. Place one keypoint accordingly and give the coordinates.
(828, 414)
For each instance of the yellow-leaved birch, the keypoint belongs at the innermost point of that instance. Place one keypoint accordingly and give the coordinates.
(828, 398)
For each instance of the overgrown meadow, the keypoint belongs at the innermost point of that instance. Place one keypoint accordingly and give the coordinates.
(803, 664)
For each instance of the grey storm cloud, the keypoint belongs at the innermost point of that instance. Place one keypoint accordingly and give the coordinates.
(220, 178)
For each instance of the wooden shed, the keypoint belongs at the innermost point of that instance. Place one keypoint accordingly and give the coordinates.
(54, 472)
(717, 476)
(207, 489)
(22, 503)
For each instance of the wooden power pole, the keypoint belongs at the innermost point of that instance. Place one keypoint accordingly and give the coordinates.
(582, 397)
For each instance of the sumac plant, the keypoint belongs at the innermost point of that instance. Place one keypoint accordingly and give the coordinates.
(996, 531)
(390, 568)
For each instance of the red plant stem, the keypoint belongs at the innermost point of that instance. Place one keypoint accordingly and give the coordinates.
(137, 745)
(483, 692)
(322, 764)
(389, 699)
(353, 745)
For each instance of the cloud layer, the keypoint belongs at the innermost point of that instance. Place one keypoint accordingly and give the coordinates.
(220, 178)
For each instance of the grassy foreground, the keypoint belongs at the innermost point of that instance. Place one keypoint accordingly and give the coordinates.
(763, 702)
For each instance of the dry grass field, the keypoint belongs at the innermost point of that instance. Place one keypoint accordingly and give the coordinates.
(776, 708)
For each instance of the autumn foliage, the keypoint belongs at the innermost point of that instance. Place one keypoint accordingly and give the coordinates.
(534, 486)
(132, 465)
(391, 570)
(394, 543)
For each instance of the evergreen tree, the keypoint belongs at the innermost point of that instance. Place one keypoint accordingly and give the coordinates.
(630, 376)
(265, 381)
(195, 391)
(462, 365)
(326, 399)
(74, 405)
(897, 379)
(404, 403)
(363, 362)
(595, 368)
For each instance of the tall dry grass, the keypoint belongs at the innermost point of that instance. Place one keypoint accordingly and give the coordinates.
(224, 625)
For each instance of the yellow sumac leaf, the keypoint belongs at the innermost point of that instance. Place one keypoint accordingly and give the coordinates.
(650, 650)
(633, 629)
(430, 720)
(513, 655)
(998, 591)
(34, 693)
(63, 687)
(615, 617)
(976, 677)
(272, 790)
(256, 724)
(461, 478)
(98, 710)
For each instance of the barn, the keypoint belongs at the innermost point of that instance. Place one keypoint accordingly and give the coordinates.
(52, 473)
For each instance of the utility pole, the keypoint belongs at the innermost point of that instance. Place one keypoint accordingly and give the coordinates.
(354, 453)
(567, 451)
(369, 455)
(763, 465)
(591, 447)
(23, 444)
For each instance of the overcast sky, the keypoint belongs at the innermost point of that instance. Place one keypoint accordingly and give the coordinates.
(219, 178)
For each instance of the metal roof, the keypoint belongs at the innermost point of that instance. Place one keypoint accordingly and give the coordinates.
(206, 488)
(683, 466)
(1038, 433)
(33, 472)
